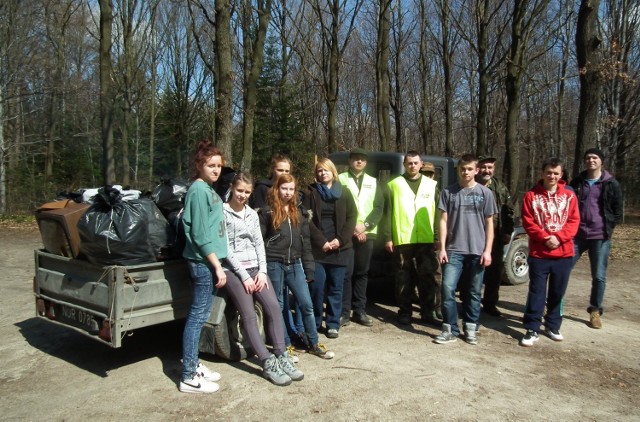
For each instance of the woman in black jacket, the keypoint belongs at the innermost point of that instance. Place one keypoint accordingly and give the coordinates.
(334, 219)
(285, 230)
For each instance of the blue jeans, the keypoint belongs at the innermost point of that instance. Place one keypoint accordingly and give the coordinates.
(599, 259)
(328, 285)
(555, 273)
(293, 277)
(294, 322)
(202, 281)
(451, 273)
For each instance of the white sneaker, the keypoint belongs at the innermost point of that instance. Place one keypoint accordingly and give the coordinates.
(198, 384)
(207, 373)
(530, 337)
(555, 335)
(293, 356)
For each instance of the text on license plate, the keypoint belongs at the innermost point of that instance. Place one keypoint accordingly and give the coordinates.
(79, 318)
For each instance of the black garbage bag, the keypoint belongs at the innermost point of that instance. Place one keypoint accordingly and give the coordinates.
(115, 232)
(169, 195)
(161, 235)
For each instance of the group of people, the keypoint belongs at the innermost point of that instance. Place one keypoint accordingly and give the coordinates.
(464, 228)
(290, 250)
(304, 253)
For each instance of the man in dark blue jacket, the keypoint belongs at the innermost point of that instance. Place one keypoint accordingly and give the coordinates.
(601, 206)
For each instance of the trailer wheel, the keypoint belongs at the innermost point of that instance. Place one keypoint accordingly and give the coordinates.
(231, 341)
(516, 267)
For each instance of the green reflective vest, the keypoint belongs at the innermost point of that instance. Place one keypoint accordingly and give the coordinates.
(412, 214)
(364, 198)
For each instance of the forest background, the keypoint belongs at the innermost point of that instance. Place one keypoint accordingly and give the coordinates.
(97, 92)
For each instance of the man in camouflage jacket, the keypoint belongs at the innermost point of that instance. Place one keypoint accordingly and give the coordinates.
(503, 226)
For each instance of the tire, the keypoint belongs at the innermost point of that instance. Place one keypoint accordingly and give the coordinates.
(516, 267)
(231, 342)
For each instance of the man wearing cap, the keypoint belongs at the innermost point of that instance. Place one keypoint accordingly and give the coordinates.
(600, 201)
(370, 205)
(411, 236)
(503, 227)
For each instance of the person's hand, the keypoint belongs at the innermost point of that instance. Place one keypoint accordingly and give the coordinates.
(442, 257)
(335, 244)
(222, 278)
(388, 246)
(552, 242)
(261, 282)
(326, 247)
(249, 285)
(362, 237)
(360, 228)
(485, 259)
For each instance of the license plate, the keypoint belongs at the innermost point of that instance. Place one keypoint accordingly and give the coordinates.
(78, 318)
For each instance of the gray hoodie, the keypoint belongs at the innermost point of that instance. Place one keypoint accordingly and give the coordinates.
(246, 246)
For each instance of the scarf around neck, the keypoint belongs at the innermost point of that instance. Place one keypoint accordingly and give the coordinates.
(329, 194)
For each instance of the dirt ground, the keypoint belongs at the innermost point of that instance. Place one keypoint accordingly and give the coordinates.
(379, 373)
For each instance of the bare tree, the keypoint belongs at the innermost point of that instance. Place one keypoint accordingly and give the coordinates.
(106, 93)
(17, 48)
(382, 74)
(254, 36)
(448, 42)
(621, 87)
(336, 20)
(134, 25)
(526, 14)
(588, 55)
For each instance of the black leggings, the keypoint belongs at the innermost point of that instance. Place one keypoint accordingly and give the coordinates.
(273, 317)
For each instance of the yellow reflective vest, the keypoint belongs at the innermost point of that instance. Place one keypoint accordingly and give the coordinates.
(364, 197)
(412, 215)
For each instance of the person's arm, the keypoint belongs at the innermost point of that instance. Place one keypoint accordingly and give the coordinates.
(253, 223)
(442, 228)
(375, 216)
(351, 215)
(535, 232)
(308, 263)
(317, 237)
(485, 259)
(570, 228)
(231, 261)
(618, 201)
(506, 213)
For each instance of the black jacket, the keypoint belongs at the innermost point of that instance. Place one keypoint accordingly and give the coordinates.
(611, 199)
(345, 220)
(287, 244)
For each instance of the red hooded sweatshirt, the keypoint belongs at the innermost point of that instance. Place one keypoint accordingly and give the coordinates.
(545, 214)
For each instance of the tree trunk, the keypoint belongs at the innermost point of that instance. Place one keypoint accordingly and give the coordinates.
(447, 65)
(382, 74)
(587, 52)
(483, 78)
(254, 58)
(515, 70)
(224, 77)
(106, 93)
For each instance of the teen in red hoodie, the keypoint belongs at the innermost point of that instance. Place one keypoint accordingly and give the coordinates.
(551, 218)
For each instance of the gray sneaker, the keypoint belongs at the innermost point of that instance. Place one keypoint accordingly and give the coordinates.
(272, 371)
(470, 332)
(289, 368)
(446, 336)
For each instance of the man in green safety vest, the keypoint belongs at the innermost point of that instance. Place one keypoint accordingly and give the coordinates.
(411, 237)
(370, 204)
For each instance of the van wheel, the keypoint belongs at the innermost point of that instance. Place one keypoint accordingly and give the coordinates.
(231, 341)
(516, 267)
